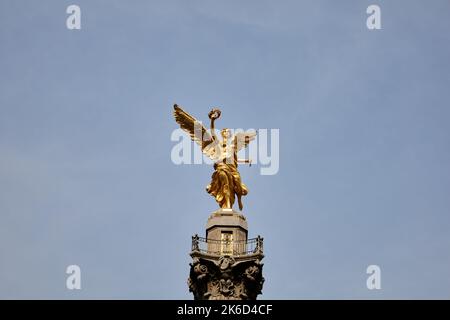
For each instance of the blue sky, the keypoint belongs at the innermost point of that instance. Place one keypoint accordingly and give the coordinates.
(86, 117)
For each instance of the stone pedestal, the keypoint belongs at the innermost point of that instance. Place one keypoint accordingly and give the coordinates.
(226, 265)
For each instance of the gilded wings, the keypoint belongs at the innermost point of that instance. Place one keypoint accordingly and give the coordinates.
(207, 140)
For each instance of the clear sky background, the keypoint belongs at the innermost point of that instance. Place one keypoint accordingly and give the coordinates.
(86, 117)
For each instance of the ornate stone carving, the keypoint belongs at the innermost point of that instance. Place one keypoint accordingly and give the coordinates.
(225, 278)
(225, 263)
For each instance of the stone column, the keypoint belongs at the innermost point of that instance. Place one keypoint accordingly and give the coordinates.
(226, 265)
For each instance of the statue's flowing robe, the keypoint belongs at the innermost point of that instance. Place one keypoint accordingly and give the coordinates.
(225, 183)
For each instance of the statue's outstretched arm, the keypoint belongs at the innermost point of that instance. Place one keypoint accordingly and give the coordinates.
(249, 161)
(214, 114)
(213, 129)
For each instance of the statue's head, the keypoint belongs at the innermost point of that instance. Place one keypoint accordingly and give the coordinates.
(226, 133)
(214, 114)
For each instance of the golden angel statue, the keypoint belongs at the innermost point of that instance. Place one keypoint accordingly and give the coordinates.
(226, 180)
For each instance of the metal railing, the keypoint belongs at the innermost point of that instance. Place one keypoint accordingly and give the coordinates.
(227, 247)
